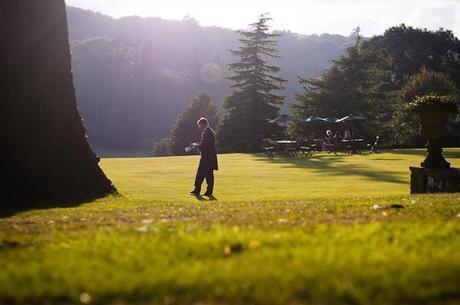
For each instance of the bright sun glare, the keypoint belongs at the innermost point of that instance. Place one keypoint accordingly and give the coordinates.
(306, 17)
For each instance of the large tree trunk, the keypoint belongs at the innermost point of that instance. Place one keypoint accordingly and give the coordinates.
(44, 147)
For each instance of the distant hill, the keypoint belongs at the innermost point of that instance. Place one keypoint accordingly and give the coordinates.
(134, 75)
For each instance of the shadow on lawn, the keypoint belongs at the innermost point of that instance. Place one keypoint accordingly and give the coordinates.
(13, 207)
(405, 152)
(202, 198)
(334, 165)
(422, 152)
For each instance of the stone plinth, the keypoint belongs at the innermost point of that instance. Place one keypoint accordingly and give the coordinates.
(426, 180)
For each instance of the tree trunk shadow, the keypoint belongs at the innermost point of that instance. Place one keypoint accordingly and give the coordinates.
(16, 206)
(334, 165)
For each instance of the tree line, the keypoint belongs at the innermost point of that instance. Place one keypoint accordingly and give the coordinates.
(376, 78)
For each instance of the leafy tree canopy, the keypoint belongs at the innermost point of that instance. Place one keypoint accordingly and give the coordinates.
(376, 76)
(185, 129)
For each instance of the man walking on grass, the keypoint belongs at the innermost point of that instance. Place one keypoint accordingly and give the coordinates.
(208, 161)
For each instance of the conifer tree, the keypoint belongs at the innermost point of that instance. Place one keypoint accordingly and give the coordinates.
(252, 102)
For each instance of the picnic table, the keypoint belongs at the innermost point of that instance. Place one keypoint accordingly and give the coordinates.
(353, 145)
(316, 144)
(285, 144)
(288, 147)
(308, 146)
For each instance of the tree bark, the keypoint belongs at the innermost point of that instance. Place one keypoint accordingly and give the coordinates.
(44, 148)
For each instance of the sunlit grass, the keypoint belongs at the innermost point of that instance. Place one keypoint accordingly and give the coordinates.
(315, 230)
(257, 178)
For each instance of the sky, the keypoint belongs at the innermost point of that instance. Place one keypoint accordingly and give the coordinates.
(300, 16)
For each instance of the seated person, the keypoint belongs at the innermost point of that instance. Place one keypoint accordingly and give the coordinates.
(328, 143)
(347, 135)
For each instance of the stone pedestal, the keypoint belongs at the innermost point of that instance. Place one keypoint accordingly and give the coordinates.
(427, 180)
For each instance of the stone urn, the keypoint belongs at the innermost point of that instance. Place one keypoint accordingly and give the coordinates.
(435, 175)
(433, 128)
(433, 112)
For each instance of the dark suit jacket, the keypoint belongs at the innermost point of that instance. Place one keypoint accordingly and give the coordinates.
(207, 147)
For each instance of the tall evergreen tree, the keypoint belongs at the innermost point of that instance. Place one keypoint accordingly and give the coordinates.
(44, 145)
(252, 103)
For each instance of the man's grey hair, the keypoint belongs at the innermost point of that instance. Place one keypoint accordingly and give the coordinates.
(203, 121)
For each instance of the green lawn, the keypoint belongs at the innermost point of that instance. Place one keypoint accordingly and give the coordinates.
(284, 231)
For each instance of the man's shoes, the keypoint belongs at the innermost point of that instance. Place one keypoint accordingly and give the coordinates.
(195, 192)
(207, 194)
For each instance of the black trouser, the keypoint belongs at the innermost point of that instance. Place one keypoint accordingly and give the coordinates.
(202, 173)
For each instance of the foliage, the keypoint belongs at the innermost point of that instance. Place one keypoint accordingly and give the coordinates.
(185, 130)
(303, 231)
(115, 81)
(354, 84)
(411, 49)
(425, 82)
(134, 76)
(370, 79)
(252, 103)
(431, 100)
(162, 148)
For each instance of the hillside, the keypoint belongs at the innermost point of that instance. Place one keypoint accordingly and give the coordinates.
(134, 75)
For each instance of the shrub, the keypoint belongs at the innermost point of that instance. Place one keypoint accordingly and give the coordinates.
(428, 101)
(162, 148)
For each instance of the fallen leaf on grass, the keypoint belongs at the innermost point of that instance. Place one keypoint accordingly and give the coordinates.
(227, 250)
(85, 298)
(386, 207)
